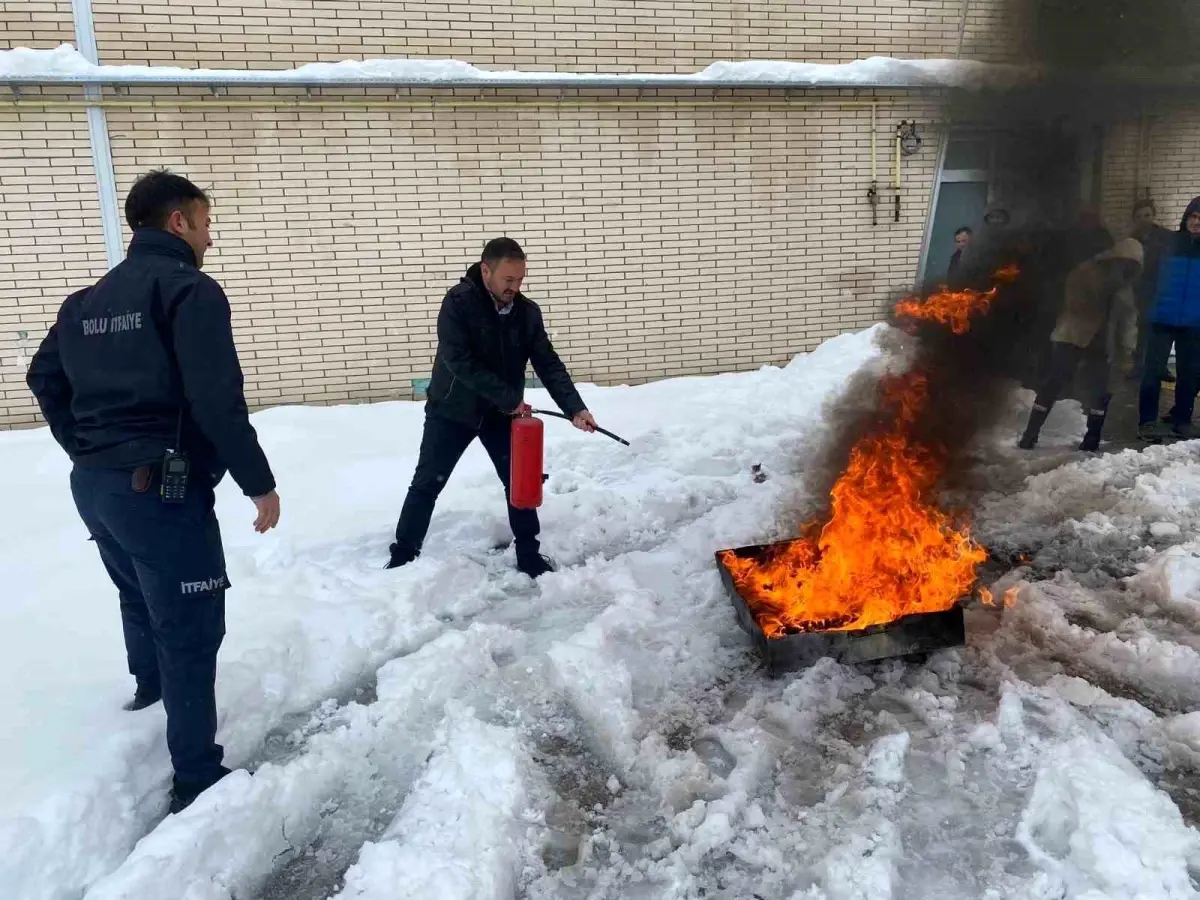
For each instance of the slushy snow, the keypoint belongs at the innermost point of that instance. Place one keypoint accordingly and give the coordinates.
(66, 63)
(452, 730)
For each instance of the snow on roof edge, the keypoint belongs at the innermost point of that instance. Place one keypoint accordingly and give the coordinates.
(65, 64)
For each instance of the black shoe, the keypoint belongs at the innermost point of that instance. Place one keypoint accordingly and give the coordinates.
(1037, 418)
(1181, 432)
(534, 566)
(1095, 428)
(1150, 433)
(184, 793)
(145, 695)
(402, 555)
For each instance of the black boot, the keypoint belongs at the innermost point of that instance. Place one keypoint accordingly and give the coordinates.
(534, 564)
(1095, 426)
(184, 793)
(146, 695)
(1037, 418)
(401, 555)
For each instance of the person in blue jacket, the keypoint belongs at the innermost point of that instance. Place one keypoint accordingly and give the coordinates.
(1174, 320)
(140, 384)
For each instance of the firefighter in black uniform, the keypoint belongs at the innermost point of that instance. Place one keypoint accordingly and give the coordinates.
(140, 383)
(488, 332)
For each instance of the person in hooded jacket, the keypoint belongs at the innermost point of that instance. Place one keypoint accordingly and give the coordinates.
(488, 332)
(1096, 331)
(1174, 320)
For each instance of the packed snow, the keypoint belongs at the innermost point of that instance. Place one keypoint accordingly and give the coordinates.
(454, 730)
(66, 63)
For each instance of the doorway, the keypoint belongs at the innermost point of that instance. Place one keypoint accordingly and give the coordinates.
(960, 198)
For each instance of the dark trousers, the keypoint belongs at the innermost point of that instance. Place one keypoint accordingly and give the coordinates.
(168, 565)
(442, 446)
(1065, 361)
(1187, 358)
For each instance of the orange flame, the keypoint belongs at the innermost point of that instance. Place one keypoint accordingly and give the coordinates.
(955, 309)
(886, 550)
(1009, 600)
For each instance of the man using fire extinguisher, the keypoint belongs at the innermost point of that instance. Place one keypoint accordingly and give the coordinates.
(488, 332)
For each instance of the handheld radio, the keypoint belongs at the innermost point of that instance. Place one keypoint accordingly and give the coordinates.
(175, 467)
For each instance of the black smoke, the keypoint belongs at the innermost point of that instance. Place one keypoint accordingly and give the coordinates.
(1102, 62)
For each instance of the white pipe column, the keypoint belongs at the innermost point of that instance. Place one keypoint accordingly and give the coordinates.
(106, 180)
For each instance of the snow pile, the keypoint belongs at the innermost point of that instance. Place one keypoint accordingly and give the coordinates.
(67, 63)
(454, 839)
(249, 823)
(1102, 830)
(452, 729)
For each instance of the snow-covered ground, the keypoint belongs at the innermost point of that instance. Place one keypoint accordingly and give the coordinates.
(451, 730)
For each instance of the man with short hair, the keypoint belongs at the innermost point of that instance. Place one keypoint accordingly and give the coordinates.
(488, 332)
(140, 383)
(962, 239)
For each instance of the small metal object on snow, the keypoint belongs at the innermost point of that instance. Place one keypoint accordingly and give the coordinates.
(916, 634)
(757, 473)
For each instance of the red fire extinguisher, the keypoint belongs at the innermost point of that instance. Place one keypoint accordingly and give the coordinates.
(525, 477)
(525, 474)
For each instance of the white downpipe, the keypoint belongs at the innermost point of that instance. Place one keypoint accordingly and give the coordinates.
(102, 163)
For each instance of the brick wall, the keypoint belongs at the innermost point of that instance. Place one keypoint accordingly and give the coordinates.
(50, 240)
(669, 235)
(568, 35)
(41, 24)
(1174, 163)
(1169, 165)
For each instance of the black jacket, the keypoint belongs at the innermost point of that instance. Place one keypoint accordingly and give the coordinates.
(152, 338)
(479, 368)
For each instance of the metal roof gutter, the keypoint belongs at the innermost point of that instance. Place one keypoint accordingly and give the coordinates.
(558, 81)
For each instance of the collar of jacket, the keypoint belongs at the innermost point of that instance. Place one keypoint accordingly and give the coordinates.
(156, 242)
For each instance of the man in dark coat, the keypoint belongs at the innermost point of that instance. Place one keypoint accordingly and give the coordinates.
(488, 332)
(140, 384)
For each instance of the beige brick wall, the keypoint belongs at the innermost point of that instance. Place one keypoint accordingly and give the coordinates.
(1174, 163)
(1169, 165)
(669, 235)
(568, 35)
(50, 238)
(41, 24)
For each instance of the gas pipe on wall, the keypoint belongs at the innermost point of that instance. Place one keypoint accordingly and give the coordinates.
(526, 475)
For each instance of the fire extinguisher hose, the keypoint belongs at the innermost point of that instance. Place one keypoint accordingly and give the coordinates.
(558, 415)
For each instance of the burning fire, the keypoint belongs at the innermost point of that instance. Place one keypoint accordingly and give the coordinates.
(886, 551)
(955, 309)
(1009, 599)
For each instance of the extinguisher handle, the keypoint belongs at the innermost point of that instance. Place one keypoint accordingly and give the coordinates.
(558, 415)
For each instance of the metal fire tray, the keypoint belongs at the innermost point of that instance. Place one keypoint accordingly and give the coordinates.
(909, 636)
